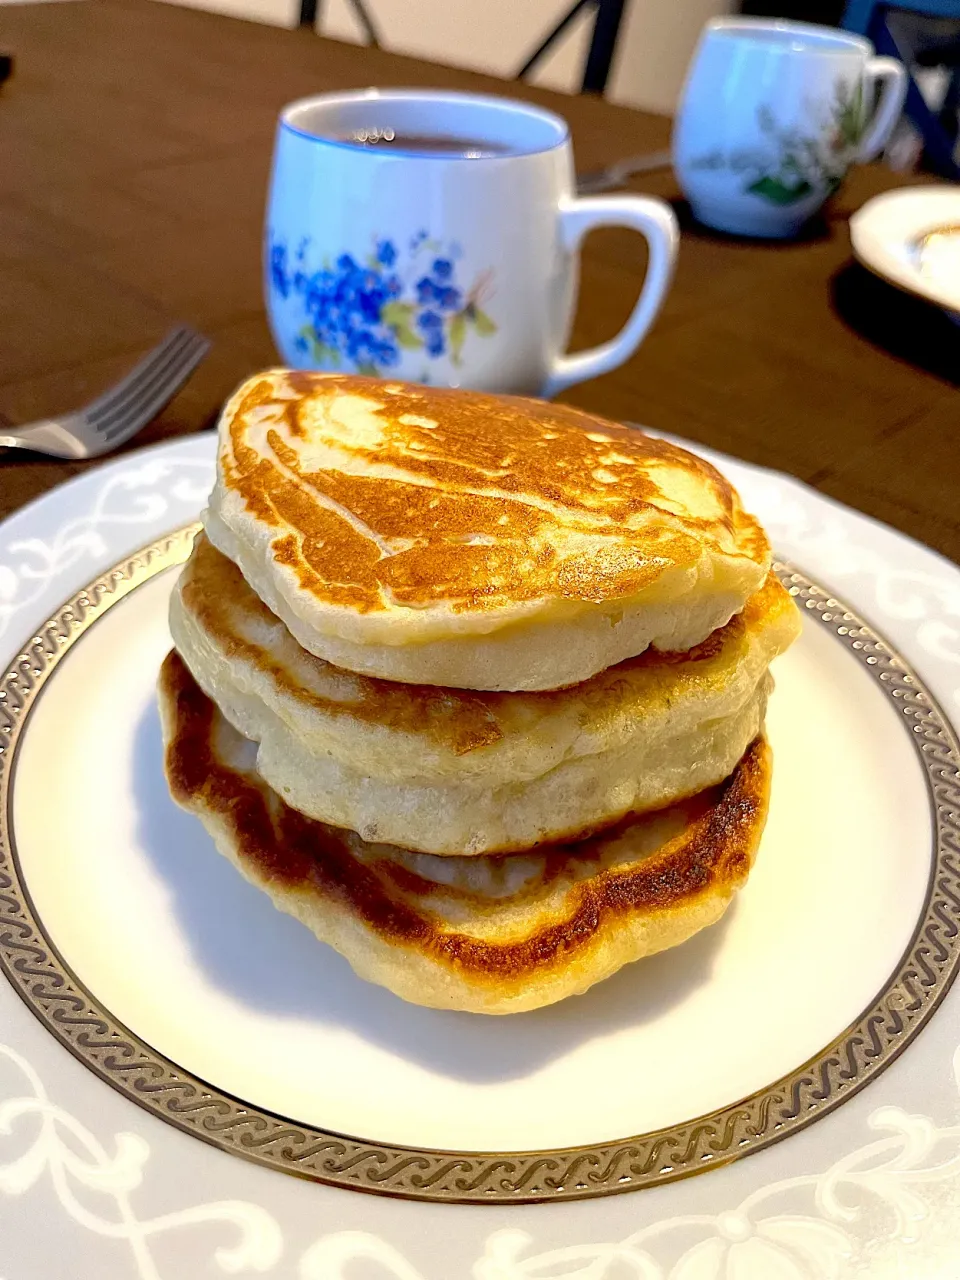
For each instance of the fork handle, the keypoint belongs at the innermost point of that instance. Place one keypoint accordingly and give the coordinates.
(44, 437)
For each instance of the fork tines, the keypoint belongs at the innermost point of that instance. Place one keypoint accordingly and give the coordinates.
(147, 387)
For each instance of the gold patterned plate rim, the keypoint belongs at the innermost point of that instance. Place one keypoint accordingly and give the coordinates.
(73, 1014)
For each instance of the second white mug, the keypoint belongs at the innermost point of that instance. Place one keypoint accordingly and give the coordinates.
(450, 259)
(772, 115)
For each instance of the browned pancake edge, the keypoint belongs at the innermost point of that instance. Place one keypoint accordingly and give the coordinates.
(281, 848)
(217, 597)
(480, 492)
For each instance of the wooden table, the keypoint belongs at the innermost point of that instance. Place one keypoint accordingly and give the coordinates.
(135, 141)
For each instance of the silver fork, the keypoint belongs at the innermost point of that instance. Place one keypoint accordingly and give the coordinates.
(111, 419)
(615, 175)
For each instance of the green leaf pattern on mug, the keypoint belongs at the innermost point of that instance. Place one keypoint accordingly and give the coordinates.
(790, 164)
(779, 192)
(457, 335)
(398, 316)
(482, 323)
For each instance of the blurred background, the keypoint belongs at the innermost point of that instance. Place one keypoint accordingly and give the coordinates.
(650, 52)
(634, 52)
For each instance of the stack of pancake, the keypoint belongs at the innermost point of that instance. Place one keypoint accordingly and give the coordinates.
(473, 686)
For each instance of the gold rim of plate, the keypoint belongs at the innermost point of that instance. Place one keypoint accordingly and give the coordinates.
(73, 1014)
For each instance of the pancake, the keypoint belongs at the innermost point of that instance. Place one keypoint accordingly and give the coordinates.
(488, 935)
(453, 772)
(451, 538)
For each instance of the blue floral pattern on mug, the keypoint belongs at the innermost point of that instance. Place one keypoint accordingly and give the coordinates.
(367, 314)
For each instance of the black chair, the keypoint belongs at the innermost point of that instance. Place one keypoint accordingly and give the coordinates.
(596, 72)
(308, 18)
(603, 43)
(924, 33)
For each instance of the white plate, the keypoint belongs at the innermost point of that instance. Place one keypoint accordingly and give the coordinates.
(886, 232)
(138, 903)
(241, 996)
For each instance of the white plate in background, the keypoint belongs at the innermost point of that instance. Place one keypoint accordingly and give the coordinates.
(887, 236)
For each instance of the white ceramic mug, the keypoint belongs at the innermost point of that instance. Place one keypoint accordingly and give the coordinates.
(772, 115)
(456, 269)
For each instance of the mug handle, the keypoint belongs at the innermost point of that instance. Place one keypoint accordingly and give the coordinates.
(656, 223)
(891, 77)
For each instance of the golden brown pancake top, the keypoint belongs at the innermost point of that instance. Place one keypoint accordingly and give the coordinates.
(217, 597)
(718, 832)
(465, 499)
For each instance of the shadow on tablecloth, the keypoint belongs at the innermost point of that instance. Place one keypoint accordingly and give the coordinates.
(901, 324)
